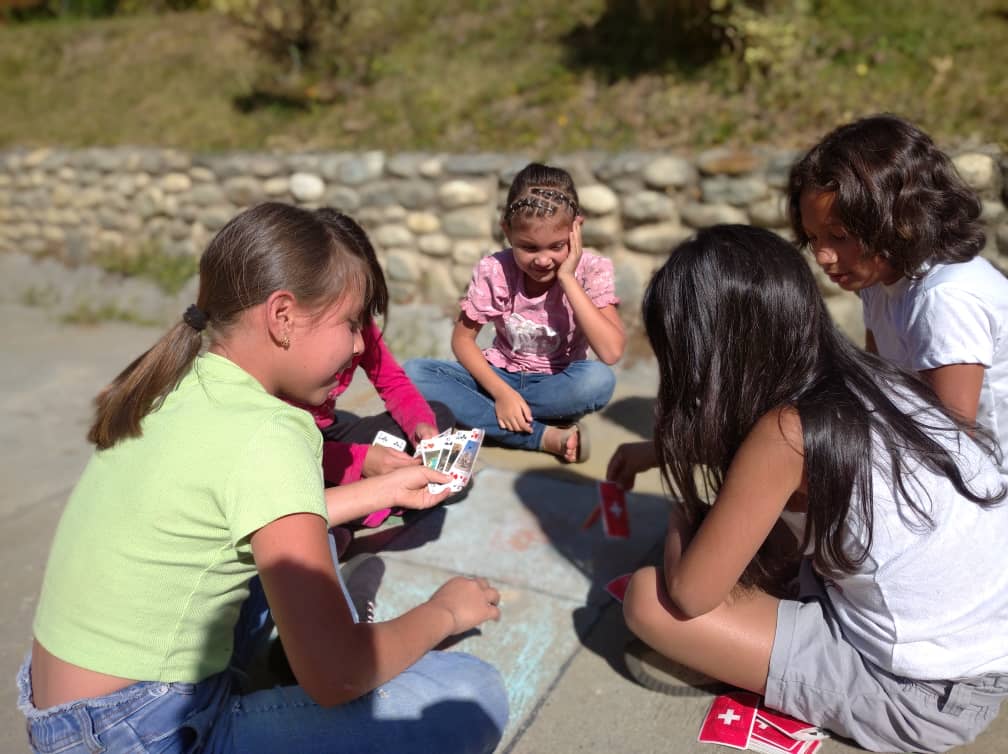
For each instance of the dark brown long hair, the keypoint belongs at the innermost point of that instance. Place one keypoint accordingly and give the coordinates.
(267, 248)
(739, 329)
(896, 192)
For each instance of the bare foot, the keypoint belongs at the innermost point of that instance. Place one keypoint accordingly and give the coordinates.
(562, 442)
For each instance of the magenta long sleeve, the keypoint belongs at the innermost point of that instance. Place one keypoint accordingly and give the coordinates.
(344, 462)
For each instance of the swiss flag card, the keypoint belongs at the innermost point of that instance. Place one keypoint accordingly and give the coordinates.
(789, 726)
(765, 738)
(617, 587)
(615, 519)
(730, 720)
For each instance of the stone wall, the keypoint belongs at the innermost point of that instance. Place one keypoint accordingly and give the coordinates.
(431, 216)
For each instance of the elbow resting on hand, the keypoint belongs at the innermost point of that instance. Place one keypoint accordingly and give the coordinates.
(647, 601)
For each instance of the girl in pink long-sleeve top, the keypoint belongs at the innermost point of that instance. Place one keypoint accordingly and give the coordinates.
(347, 453)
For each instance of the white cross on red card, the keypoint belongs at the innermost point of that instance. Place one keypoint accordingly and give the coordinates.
(615, 516)
(739, 720)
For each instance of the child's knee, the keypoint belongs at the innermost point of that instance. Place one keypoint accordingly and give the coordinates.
(641, 602)
(419, 370)
(470, 678)
(596, 383)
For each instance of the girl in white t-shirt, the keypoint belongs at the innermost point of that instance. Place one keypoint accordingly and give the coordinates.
(549, 302)
(886, 215)
(894, 632)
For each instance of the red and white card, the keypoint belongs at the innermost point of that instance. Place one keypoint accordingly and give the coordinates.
(615, 517)
(740, 720)
(768, 740)
(790, 726)
(730, 720)
(618, 586)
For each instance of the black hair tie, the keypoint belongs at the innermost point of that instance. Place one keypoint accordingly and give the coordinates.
(195, 317)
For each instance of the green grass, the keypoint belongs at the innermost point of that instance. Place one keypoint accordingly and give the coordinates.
(169, 272)
(93, 315)
(465, 75)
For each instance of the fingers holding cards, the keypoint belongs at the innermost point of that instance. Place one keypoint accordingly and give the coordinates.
(453, 452)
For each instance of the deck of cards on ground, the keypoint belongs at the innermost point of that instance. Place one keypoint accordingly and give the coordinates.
(453, 452)
(739, 721)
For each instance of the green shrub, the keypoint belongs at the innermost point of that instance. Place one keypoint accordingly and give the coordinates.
(169, 272)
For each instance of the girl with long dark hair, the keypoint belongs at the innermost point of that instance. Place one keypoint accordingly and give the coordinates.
(894, 635)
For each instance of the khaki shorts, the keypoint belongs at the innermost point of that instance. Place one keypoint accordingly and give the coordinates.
(815, 675)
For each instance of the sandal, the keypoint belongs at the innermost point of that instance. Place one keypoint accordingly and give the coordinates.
(654, 671)
(583, 444)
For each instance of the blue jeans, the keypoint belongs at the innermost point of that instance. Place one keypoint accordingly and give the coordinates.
(561, 398)
(445, 702)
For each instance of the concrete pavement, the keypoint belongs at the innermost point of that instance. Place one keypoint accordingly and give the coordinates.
(559, 643)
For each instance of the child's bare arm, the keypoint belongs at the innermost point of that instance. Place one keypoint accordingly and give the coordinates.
(958, 387)
(766, 471)
(603, 327)
(334, 659)
(513, 413)
(406, 487)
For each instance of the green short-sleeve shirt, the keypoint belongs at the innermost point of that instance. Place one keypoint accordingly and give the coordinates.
(151, 559)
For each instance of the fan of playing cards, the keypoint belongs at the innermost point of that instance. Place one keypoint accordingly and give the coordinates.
(739, 720)
(453, 452)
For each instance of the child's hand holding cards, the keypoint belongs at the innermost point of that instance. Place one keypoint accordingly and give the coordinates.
(396, 443)
(452, 453)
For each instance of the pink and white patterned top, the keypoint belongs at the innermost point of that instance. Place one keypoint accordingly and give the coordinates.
(534, 334)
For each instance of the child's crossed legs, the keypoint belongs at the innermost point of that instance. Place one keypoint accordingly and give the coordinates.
(564, 397)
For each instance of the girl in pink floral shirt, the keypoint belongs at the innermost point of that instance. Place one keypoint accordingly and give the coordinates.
(548, 301)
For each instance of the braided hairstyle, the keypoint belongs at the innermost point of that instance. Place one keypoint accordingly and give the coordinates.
(540, 191)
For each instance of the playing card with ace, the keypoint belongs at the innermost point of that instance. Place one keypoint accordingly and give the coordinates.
(377, 518)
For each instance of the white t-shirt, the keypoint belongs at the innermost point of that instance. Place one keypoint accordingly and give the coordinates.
(954, 314)
(929, 602)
